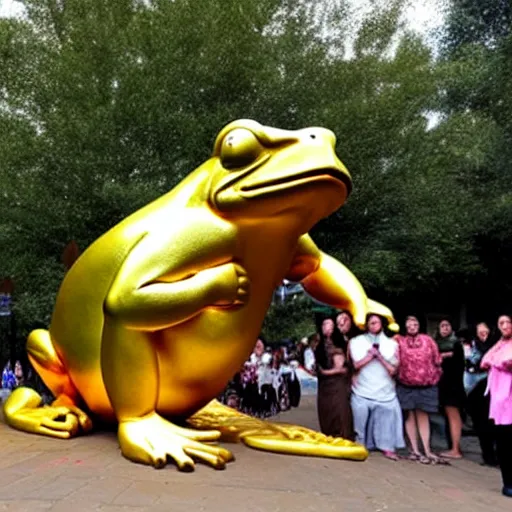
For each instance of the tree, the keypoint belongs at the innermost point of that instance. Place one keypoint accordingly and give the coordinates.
(108, 105)
(475, 81)
(293, 319)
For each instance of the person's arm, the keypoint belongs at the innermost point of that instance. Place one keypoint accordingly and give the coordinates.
(499, 361)
(338, 366)
(487, 360)
(360, 352)
(370, 356)
(485, 363)
(505, 365)
(436, 355)
(391, 366)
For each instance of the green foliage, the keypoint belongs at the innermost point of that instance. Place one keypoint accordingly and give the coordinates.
(292, 319)
(475, 76)
(484, 22)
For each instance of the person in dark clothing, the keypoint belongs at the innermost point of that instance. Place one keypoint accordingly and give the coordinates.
(475, 384)
(333, 396)
(452, 396)
(345, 329)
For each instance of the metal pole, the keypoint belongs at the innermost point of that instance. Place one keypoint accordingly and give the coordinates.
(6, 294)
(12, 338)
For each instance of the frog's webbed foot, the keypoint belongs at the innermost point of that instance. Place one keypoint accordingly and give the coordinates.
(296, 440)
(274, 437)
(152, 440)
(23, 411)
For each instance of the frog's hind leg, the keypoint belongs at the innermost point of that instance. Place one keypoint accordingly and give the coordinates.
(274, 437)
(23, 409)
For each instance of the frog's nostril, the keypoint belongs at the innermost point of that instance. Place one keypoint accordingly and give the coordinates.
(313, 136)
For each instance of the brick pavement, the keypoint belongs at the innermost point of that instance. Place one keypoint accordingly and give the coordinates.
(89, 474)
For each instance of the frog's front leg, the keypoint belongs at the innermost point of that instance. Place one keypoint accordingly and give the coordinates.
(329, 281)
(159, 304)
(135, 308)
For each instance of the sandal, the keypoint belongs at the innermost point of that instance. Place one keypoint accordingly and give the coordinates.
(435, 460)
(391, 455)
(418, 457)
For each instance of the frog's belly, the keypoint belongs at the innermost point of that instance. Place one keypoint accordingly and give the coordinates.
(198, 358)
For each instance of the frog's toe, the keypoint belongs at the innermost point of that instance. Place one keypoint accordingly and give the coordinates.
(216, 456)
(70, 415)
(215, 461)
(153, 440)
(160, 452)
(156, 453)
(83, 420)
(65, 424)
(176, 447)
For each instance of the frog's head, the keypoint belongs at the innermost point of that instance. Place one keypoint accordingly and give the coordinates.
(260, 171)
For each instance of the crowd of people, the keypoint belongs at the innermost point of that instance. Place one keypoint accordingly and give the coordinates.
(12, 378)
(380, 389)
(267, 384)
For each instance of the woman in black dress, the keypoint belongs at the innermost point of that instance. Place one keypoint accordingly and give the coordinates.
(452, 396)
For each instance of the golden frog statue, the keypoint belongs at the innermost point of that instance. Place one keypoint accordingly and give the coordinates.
(157, 315)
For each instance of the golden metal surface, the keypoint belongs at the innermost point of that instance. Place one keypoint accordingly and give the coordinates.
(274, 437)
(156, 316)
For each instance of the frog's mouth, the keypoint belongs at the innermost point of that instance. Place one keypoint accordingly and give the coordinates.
(289, 181)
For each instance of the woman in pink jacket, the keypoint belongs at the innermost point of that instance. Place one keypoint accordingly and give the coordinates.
(499, 363)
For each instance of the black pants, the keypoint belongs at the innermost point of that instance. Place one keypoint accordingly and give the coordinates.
(478, 409)
(504, 446)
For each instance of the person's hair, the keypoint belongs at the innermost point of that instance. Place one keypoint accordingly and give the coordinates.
(445, 319)
(464, 335)
(494, 332)
(493, 336)
(497, 329)
(383, 321)
(320, 351)
(416, 317)
(338, 338)
(437, 335)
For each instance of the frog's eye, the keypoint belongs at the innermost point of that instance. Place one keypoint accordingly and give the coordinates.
(239, 148)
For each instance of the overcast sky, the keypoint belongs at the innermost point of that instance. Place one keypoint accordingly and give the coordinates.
(9, 8)
(422, 16)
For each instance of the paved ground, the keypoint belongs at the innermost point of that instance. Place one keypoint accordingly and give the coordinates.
(89, 474)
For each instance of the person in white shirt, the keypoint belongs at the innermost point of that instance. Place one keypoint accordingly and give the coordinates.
(375, 407)
(309, 355)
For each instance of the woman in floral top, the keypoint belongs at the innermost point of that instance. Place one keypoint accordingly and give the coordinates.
(418, 375)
